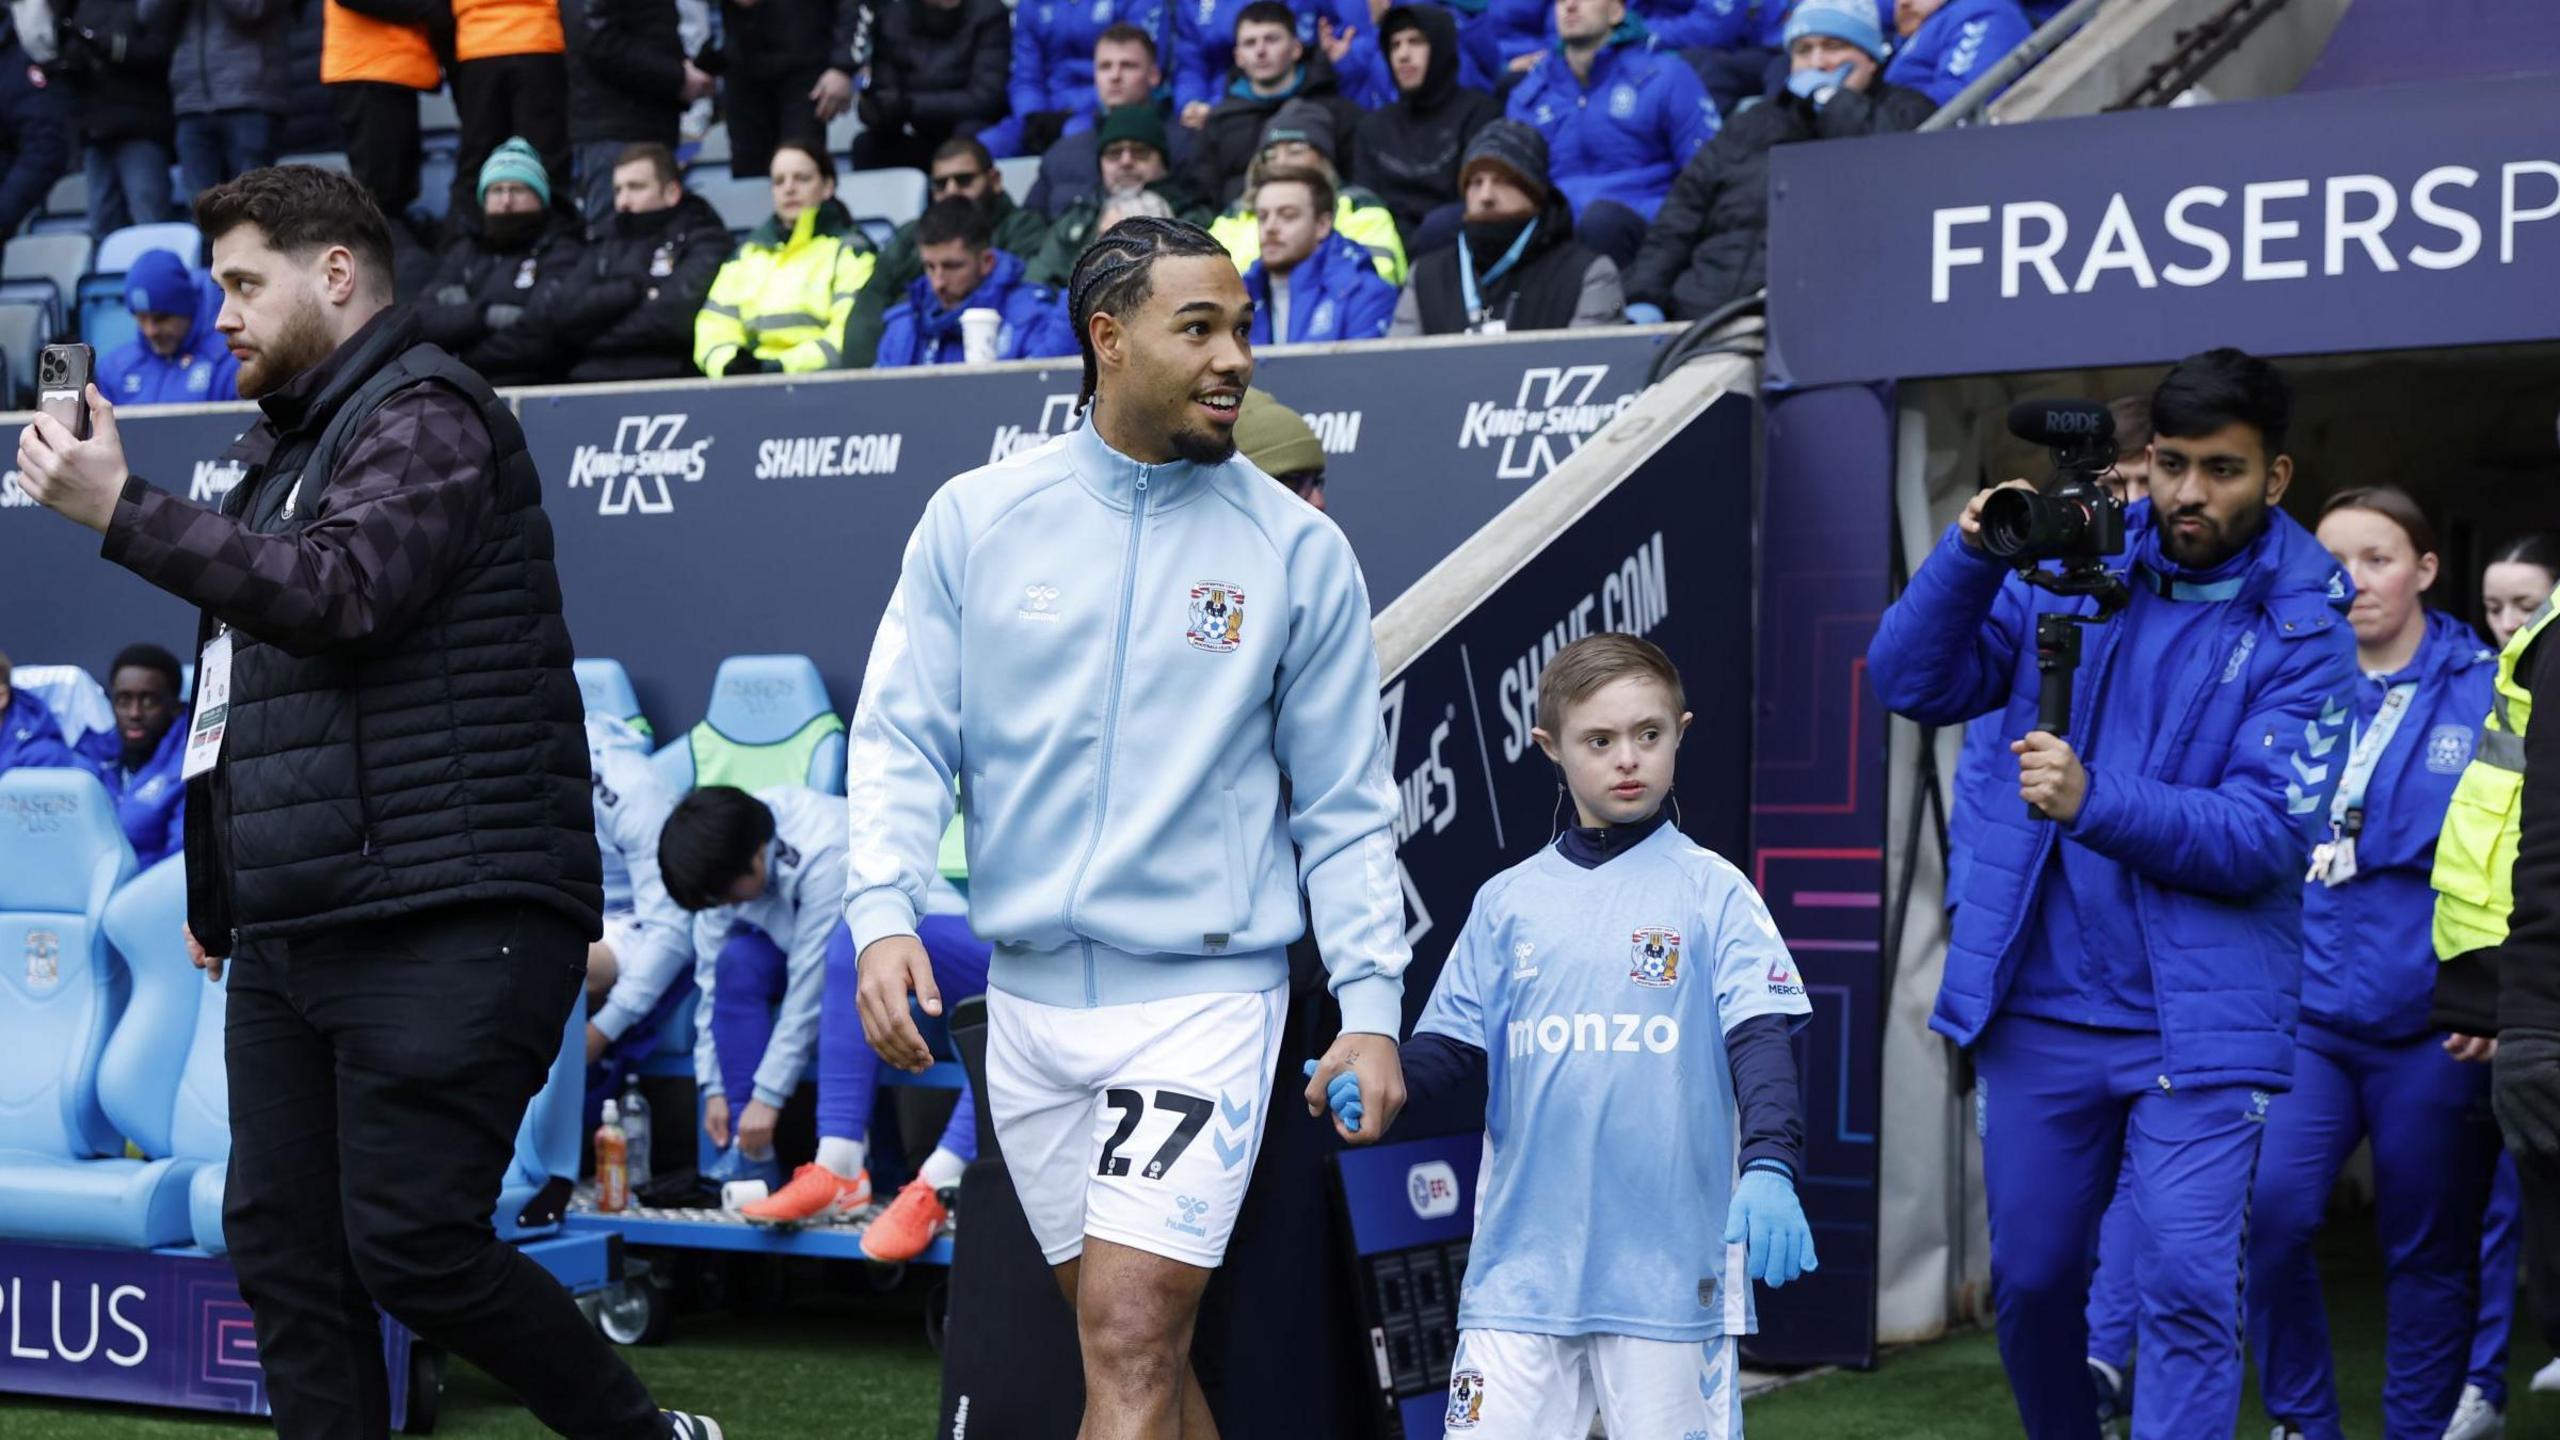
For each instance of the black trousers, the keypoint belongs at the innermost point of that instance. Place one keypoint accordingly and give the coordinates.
(505, 97)
(378, 127)
(378, 1076)
(2540, 1181)
(766, 109)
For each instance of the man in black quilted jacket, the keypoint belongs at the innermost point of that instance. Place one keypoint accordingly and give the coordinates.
(390, 842)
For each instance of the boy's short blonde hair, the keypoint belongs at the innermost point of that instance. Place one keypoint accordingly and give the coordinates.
(1593, 661)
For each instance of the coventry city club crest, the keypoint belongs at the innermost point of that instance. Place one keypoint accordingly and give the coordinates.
(1217, 617)
(1466, 1400)
(1657, 958)
(44, 959)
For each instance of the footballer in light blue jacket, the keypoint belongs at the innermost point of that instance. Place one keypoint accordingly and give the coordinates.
(1150, 670)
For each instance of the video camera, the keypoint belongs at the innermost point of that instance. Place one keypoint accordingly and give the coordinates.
(2072, 518)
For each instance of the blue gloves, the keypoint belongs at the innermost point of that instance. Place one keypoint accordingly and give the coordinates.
(1765, 1216)
(1641, 313)
(1818, 85)
(1343, 1095)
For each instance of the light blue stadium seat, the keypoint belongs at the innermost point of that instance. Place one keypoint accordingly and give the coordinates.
(547, 1142)
(62, 855)
(769, 723)
(149, 1080)
(605, 688)
(120, 248)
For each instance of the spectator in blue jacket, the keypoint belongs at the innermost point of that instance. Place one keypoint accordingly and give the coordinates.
(1947, 44)
(29, 735)
(2126, 966)
(963, 271)
(1127, 78)
(138, 761)
(179, 357)
(1054, 61)
(2371, 1064)
(1124, 72)
(1620, 119)
(1312, 283)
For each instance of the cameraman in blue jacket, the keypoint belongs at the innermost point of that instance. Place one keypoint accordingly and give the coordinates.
(2127, 965)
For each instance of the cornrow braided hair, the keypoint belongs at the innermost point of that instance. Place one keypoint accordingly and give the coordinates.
(1116, 274)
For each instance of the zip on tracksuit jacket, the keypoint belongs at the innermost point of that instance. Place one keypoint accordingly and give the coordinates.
(1625, 135)
(801, 905)
(2212, 823)
(1151, 650)
(632, 805)
(2368, 962)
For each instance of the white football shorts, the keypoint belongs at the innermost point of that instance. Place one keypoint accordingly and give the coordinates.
(1506, 1385)
(1136, 1124)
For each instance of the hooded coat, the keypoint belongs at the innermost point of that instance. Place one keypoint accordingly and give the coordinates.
(1334, 294)
(1556, 284)
(921, 332)
(476, 278)
(625, 310)
(1233, 134)
(1409, 150)
(1624, 134)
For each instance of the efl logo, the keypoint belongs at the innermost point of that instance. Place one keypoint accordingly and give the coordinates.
(1433, 1188)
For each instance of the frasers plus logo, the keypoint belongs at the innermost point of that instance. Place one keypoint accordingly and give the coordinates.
(631, 474)
(36, 814)
(1432, 1189)
(758, 695)
(1558, 407)
(826, 457)
(1429, 796)
(1057, 413)
(99, 1324)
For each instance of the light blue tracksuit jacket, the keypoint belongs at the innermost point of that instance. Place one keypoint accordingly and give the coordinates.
(632, 804)
(1150, 651)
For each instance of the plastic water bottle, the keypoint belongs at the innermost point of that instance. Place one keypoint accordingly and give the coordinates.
(635, 1130)
(613, 1163)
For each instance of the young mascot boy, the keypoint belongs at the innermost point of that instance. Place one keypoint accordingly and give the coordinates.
(1622, 993)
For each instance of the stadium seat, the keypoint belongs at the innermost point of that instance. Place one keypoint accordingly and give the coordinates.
(741, 204)
(22, 332)
(605, 687)
(769, 723)
(841, 133)
(436, 112)
(144, 1074)
(547, 1143)
(69, 196)
(54, 260)
(118, 251)
(435, 183)
(883, 200)
(106, 323)
(325, 159)
(78, 702)
(1020, 173)
(62, 856)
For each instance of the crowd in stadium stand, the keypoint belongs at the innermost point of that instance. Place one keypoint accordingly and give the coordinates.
(1437, 167)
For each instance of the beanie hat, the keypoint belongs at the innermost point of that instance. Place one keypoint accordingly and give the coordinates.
(1304, 121)
(1514, 146)
(158, 284)
(515, 160)
(1275, 437)
(1142, 123)
(1850, 20)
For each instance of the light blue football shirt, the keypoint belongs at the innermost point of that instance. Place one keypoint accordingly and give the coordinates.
(1601, 999)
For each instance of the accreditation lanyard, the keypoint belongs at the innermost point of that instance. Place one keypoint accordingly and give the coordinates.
(1477, 321)
(2333, 863)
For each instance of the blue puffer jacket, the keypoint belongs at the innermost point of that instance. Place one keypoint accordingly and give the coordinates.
(2368, 960)
(2217, 824)
(1204, 49)
(1053, 48)
(918, 331)
(1624, 136)
(1336, 295)
(151, 799)
(29, 735)
(1952, 48)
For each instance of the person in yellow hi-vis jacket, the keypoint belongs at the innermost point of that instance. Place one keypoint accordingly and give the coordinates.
(780, 304)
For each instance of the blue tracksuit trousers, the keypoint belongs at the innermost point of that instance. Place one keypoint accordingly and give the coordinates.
(2113, 1305)
(2063, 1109)
(849, 1069)
(2435, 1147)
(2501, 1239)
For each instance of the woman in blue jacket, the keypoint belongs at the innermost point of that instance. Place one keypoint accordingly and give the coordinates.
(2368, 1063)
